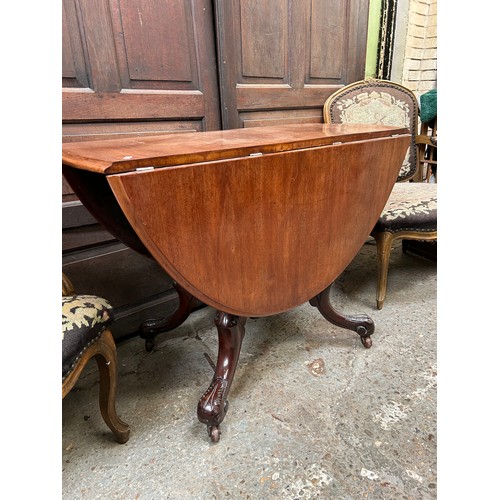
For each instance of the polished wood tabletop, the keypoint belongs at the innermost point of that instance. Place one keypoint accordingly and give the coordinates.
(123, 155)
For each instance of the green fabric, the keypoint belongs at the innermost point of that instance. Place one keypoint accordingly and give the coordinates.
(428, 106)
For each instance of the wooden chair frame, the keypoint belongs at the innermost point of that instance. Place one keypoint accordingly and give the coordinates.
(427, 141)
(103, 350)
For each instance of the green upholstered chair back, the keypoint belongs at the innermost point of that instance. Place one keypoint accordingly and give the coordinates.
(378, 102)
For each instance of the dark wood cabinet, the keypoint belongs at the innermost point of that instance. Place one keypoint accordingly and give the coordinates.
(145, 67)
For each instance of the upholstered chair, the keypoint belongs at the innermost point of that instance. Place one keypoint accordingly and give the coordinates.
(411, 211)
(86, 335)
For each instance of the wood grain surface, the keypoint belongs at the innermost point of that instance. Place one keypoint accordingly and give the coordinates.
(256, 235)
(127, 154)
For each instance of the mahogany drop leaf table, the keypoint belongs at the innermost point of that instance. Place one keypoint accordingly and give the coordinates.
(252, 222)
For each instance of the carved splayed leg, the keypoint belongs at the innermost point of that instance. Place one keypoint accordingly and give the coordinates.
(213, 404)
(362, 324)
(153, 327)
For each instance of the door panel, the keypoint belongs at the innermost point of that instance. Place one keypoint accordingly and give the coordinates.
(327, 22)
(74, 71)
(138, 61)
(263, 41)
(144, 25)
(282, 59)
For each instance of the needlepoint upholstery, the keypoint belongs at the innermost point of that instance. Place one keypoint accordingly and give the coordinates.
(410, 207)
(377, 103)
(84, 318)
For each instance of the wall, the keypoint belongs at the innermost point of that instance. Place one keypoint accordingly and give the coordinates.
(415, 57)
(372, 38)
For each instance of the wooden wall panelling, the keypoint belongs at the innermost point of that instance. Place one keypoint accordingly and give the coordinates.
(145, 61)
(280, 60)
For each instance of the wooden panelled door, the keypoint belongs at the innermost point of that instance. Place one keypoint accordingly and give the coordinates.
(138, 67)
(279, 60)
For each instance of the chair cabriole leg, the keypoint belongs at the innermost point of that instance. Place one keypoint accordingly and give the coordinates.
(107, 362)
(384, 242)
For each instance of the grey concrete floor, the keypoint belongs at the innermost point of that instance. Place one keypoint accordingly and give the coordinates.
(312, 413)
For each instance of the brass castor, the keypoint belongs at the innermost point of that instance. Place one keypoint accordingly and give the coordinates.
(214, 430)
(365, 336)
(150, 344)
(366, 341)
(214, 433)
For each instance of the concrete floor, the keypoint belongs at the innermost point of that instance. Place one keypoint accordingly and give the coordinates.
(312, 413)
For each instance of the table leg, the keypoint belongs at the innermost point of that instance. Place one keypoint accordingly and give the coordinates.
(153, 327)
(361, 323)
(213, 404)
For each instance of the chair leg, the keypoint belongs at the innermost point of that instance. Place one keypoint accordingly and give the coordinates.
(107, 362)
(384, 242)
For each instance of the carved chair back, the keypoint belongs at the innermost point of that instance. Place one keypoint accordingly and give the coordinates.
(378, 102)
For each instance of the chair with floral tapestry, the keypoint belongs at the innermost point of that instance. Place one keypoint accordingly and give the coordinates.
(86, 335)
(411, 211)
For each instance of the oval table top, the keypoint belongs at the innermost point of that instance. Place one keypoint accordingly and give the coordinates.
(262, 226)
